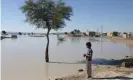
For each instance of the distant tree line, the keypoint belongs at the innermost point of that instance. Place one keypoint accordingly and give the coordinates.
(75, 31)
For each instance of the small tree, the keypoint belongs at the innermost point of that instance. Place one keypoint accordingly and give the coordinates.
(72, 32)
(66, 33)
(112, 59)
(115, 33)
(20, 33)
(47, 14)
(78, 31)
(75, 31)
(4, 32)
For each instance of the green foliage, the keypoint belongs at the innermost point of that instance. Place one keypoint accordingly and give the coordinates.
(115, 33)
(3, 32)
(47, 14)
(20, 33)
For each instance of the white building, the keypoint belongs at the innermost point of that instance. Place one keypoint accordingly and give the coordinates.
(109, 34)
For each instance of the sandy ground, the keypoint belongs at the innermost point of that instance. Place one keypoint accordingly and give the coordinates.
(103, 72)
(122, 40)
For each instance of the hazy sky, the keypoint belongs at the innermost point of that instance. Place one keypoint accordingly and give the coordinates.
(114, 15)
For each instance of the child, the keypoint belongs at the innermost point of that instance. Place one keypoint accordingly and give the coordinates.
(89, 59)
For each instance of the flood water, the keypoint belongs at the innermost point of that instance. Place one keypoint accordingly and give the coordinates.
(23, 58)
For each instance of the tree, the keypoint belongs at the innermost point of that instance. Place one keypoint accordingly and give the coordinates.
(115, 33)
(65, 33)
(76, 31)
(112, 59)
(47, 14)
(20, 33)
(72, 32)
(4, 32)
(28, 33)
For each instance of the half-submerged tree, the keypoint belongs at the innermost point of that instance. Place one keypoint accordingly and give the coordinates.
(47, 14)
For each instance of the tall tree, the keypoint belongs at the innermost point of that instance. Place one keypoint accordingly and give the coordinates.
(47, 14)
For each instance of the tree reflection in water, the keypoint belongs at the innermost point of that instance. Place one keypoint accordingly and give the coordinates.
(93, 39)
(75, 39)
(130, 47)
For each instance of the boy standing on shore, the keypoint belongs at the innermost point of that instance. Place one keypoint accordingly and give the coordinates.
(89, 59)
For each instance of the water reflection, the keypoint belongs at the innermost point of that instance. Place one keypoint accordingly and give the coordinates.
(93, 39)
(130, 46)
(85, 39)
(60, 42)
(101, 45)
(75, 39)
(24, 52)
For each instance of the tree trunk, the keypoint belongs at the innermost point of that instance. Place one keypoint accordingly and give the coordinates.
(47, 47)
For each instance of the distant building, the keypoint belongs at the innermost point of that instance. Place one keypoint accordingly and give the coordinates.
(119, 34)
(124, 36)
(114, 33)
(84, 34)
(110, 34)
(127, 35)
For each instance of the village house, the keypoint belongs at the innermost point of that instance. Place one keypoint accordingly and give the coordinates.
(127, 35)
(131, 35)
(110, 34)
